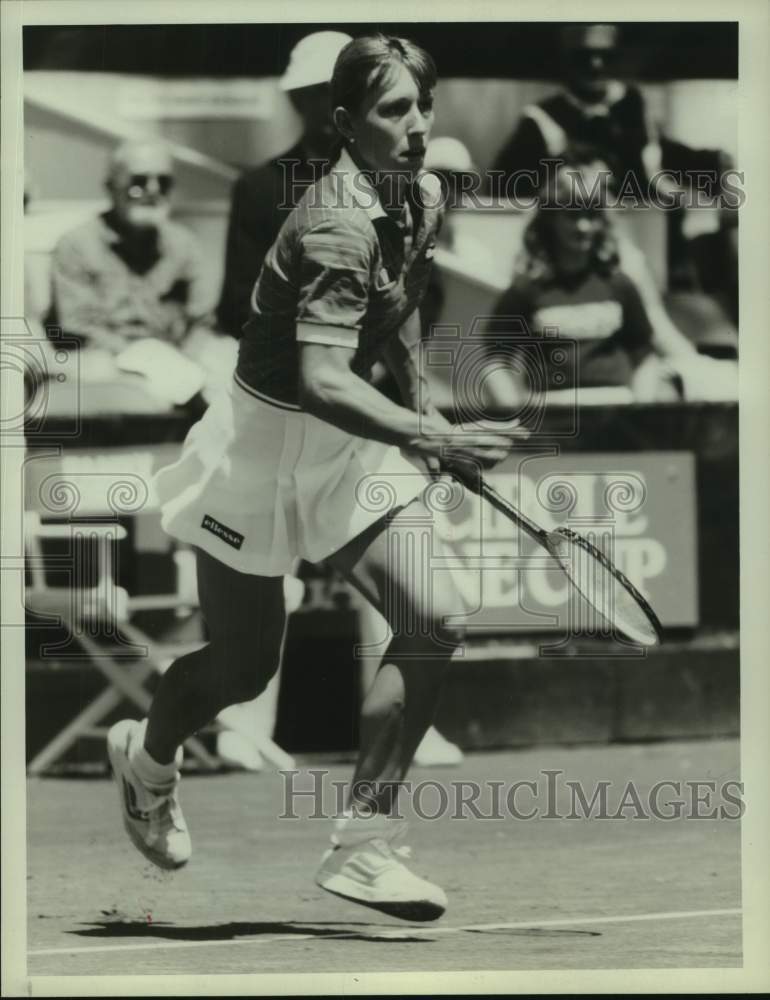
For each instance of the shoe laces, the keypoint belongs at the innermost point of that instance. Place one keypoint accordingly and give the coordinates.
(397, 853)
(167, 808)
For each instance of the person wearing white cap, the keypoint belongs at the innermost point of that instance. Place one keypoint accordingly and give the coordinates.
(261, 198)
(255, 219)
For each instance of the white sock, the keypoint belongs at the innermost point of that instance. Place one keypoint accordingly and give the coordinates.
(353, 828)
(148, 770)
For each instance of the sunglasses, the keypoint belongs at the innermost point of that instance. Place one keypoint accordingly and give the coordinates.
(138, 184)
(587, 58)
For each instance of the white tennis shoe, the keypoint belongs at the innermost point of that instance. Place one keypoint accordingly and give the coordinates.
(372, 873)
(152, 816)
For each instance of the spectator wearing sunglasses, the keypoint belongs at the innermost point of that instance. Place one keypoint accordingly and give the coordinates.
(131, 272)
(594, 112)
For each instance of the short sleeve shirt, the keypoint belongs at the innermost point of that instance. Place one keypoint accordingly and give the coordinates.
(341, 272)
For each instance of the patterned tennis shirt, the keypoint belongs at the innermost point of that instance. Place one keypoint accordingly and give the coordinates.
(342, 272)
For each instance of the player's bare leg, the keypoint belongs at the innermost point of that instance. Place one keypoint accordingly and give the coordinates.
(245, 618)
(434, 750)
(397, 711)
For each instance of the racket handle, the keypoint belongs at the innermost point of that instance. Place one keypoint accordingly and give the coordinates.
(468, 475)
(472, 479)
(506, 507)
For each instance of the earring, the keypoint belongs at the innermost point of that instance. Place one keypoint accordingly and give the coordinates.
(351, 140)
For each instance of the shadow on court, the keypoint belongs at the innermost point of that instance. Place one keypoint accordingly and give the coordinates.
(661, 893)
(241, 929)
(244, 929)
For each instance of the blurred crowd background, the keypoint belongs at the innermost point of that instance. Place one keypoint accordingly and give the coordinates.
(224, 101)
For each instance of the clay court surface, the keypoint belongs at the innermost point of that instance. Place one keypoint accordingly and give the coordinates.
(524, 895)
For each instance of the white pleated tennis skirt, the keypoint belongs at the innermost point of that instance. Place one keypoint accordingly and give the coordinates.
(258, 486)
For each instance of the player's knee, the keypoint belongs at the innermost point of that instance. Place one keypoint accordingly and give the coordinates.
(388, 697)
(437, 622)
(382, 708)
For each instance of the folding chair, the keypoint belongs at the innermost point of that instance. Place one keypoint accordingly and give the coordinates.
(88, 611)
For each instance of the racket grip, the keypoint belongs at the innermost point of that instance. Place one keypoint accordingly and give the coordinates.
(467, 474)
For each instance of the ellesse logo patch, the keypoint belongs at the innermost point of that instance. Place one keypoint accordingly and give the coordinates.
(221, 531)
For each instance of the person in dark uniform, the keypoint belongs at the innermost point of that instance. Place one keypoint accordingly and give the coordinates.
(264, 196)
(600, 115)
(597, 116)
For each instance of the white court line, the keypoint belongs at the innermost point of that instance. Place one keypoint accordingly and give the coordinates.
(387, 932)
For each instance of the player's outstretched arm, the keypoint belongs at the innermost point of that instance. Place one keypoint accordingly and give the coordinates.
(331, 391)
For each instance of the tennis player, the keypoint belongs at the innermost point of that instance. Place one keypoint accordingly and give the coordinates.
(288, 464)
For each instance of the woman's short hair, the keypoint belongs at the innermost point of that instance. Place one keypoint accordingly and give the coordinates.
(578, 182)
(371, 62)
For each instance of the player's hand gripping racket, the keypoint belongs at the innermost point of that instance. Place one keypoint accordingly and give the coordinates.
(592, 574)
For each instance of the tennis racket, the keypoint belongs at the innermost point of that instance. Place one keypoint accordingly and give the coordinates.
(586, 567)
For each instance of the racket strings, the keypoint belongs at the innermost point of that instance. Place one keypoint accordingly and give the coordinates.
(624, 608)
(630, 613)
(597, 553)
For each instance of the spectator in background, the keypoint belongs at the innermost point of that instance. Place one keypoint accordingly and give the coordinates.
(451, 161)
(594, 112)
(264, 196)
(35, 290)
(601, 117)
(131, 273)
(570, 292)
(596, 115)
(262, 199)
